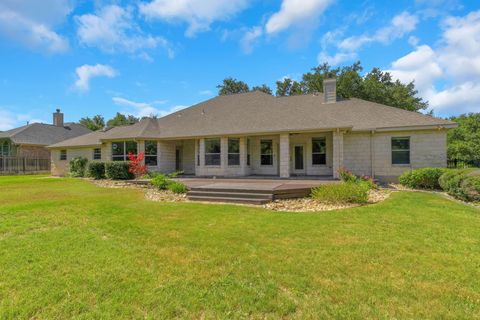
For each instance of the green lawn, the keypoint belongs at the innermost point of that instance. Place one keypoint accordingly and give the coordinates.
(69, 249)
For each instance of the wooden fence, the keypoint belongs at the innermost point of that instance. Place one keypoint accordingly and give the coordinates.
(21, 165)
(460, 164)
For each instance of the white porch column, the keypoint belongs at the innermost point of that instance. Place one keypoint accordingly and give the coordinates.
(166, 156)
(284, 155)
(243, 156)
(337, 153)
(141, 148)
(224, 154)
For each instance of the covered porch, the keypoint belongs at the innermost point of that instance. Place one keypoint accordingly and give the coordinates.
(284, 155)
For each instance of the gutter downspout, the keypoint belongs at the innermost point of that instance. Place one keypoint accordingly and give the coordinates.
(372, 152)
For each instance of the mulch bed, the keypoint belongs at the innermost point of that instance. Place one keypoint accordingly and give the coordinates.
(290, 205)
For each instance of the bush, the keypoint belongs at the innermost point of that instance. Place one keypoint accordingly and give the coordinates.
(177, 187)
(471, 188)
(453, 182)
(96, 170)
(118, 170)
(426, 178)
(345, 192)
(161, 181)
(77, 167)
(347, 176)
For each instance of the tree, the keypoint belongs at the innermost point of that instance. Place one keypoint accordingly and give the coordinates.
(289, 87)
(232, 86)
(376, 86)
(94, 124)
(121, 119)
(464, 141)
(263, 88)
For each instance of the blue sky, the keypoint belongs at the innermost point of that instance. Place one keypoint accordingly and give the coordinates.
(156, 56)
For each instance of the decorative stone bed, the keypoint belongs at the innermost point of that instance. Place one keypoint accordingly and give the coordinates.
(309, 204)
(290, 205)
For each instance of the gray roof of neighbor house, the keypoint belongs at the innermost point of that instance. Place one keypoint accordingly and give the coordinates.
(41, 134)
(257, 112)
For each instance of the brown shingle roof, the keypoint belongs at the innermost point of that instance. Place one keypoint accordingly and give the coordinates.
(44, 134)
(257, 112)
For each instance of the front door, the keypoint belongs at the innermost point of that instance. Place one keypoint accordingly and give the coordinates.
(178, 159)
(299, 159)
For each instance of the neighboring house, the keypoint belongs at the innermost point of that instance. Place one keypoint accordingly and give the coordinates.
(258, 134)
(30, 141)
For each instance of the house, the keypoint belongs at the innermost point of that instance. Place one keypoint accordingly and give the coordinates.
(30, 141)
(258, 134)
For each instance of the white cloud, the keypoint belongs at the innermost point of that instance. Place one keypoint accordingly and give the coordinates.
(249, 39)
(347, 48)
(10, 120)
(448, 76)
(113, 29)
(206, 92)
(339, 57)
(198, 14)
(86, 72)
(32, 23)
(145, 109)
(7, 121)
(296, 12)
(400, 25)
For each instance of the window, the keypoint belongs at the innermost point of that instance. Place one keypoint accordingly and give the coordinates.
(212, 152)
(319, 154)
(121, 149)
(266, 152)
(63, 154)
(5, 148)
(248, 152)
(97, 154)
(401, 150)
(151, 153)
(233, 152)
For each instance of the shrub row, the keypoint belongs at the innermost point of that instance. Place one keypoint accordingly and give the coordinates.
(426, 178)
(115, 170)
(463, 184)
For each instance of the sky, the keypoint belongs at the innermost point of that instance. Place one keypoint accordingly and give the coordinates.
(153, 57)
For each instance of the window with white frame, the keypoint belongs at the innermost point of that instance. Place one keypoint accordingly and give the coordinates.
(151, 152)
(233, 152)
(266, 152)
(213, 152)
(97, 154)
(401, 150)
(121, 149)
(319, 151)
(63, 155)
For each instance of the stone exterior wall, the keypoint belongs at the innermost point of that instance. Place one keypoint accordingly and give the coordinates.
(428, 148)
(363, 153)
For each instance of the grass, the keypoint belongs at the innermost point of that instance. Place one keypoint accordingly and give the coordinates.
(69, 249)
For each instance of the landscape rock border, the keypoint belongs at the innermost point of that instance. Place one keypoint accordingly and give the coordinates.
(286, 205)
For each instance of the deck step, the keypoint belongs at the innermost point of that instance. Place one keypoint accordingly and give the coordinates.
(229, 200)
(234, 190)
(225, 194)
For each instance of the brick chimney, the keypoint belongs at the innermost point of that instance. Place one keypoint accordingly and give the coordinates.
(330, 90)
(58, 118)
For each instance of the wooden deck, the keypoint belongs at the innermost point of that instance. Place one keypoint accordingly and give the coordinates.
(257, 190)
